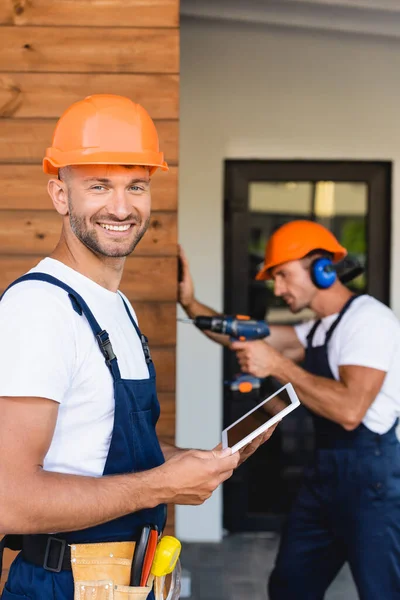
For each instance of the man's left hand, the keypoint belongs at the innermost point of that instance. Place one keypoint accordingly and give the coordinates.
(257, 358)
(248, 450)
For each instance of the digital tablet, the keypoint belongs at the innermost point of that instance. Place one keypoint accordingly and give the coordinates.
(260, 418)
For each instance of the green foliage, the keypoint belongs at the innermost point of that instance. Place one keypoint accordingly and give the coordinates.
(353, 236)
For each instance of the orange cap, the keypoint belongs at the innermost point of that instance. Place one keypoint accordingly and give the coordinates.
(104, 129)
(295, 240)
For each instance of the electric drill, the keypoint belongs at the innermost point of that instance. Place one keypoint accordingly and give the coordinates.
(238, 327)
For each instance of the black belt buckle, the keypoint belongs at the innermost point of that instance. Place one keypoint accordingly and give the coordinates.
(63, 544)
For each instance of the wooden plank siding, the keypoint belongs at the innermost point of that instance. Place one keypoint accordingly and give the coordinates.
(40, 95)
(89, 49)
(51, 55)
(25, 140)
(26, 232)
(112, 13)
(158, 284)
(25, 182)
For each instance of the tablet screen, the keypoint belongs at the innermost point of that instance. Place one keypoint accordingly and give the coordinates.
(255, 419)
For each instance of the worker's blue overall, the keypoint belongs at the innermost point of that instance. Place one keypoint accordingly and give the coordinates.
(347, 510)
(134, 447)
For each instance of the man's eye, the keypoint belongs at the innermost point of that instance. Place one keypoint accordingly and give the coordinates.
(136, 188)
(98, 187)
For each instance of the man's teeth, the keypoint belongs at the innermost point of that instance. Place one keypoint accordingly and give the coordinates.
(115, 227)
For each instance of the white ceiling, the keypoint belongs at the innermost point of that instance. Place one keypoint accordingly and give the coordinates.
(371, 17)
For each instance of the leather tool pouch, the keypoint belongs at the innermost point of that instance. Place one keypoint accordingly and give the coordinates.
(102, 572)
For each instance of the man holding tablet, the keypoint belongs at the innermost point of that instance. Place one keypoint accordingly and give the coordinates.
(348, 509)
(82, 470)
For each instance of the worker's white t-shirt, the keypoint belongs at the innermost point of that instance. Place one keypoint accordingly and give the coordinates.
(369, 336)
(47, 350)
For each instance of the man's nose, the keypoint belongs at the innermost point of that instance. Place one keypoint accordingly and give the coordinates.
(278, 288)
(120, 204)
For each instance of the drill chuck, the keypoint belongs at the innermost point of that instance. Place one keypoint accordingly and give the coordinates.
(214, 324)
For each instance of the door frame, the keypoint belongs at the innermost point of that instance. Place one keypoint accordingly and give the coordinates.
(238, 175)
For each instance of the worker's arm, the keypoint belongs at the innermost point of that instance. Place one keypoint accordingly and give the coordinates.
(190, 305)
(169, 450)
(33, 500)
(282, 337)
(345, 401)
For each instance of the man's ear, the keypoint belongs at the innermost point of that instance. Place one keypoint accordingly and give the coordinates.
(58, 192)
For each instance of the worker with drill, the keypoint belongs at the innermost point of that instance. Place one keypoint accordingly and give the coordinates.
(344, 366)
(82, 472)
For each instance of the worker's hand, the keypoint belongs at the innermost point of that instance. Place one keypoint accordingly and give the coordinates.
(257, 357)
(191, 476)
(186, 286)
(249, 449)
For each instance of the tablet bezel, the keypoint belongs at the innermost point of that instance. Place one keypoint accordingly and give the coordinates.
(295, 402)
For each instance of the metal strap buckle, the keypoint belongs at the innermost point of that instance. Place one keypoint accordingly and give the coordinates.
(63, 544)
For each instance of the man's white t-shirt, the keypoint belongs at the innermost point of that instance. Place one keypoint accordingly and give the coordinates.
(49, 351)
(368, 335)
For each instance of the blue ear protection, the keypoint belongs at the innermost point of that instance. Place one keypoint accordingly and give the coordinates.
(323, 273)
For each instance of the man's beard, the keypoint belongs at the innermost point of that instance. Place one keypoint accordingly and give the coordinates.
(90, 238)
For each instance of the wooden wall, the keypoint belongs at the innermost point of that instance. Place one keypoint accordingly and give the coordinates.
(53, 53)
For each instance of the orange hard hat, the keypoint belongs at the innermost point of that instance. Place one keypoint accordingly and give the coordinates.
(295, 240)
(104, 129)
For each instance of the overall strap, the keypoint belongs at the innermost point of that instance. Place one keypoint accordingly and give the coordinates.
(143, 339)
(79, 305)
(310, 336)
(340, 317)
(332, 328)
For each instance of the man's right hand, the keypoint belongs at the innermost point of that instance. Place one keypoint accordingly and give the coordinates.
(191, 476)
(186, 286)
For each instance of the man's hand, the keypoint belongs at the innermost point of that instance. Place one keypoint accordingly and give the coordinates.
(257, 358)
(186, 286)
(191, 476)
(249, 449)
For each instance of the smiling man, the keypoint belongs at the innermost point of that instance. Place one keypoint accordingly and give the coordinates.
(82, 470)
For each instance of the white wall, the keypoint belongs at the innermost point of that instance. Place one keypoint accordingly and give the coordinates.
(251, 91)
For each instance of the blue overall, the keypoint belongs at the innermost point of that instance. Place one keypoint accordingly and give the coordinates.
(134, 447)
(347, 510)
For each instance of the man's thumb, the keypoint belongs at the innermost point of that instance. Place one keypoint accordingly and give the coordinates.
(222, 453)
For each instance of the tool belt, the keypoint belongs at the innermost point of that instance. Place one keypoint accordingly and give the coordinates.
(101, 571)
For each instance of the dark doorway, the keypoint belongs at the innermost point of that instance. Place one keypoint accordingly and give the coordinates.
(353, 199)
